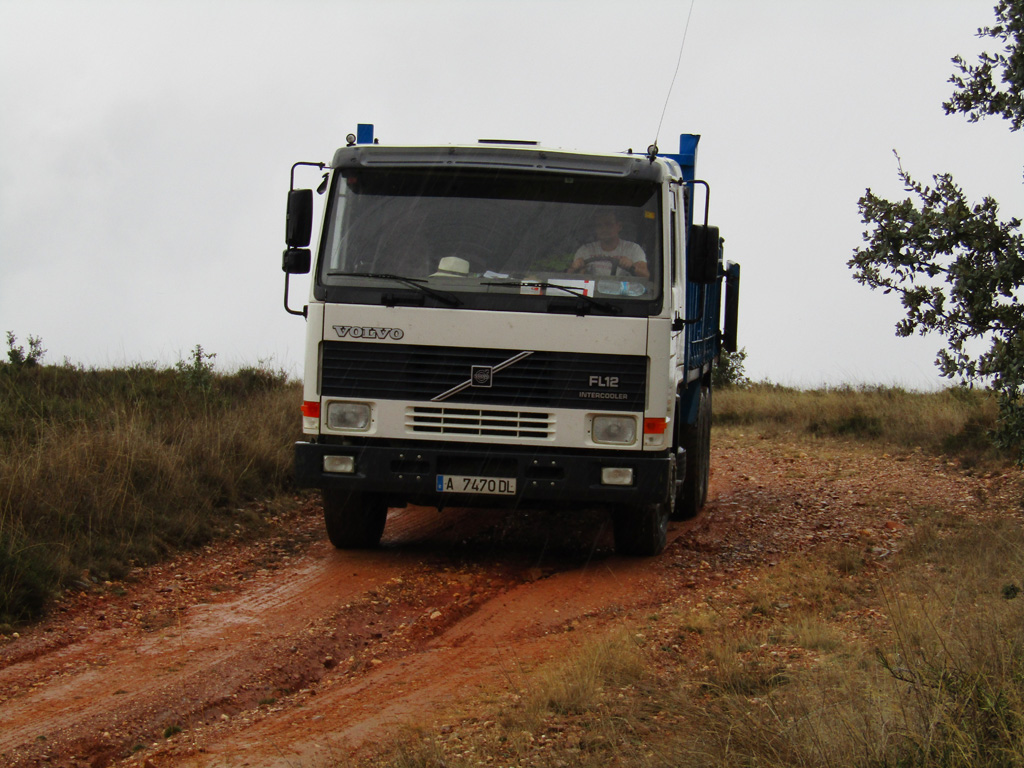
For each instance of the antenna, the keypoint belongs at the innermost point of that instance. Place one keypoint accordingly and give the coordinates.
(652, 151)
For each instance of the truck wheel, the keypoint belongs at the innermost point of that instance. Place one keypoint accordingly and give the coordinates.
(643, 531)
(696, 439)
(354, 520)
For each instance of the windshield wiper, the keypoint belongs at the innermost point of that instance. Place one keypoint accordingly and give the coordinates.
(412, 282)
(572, 290)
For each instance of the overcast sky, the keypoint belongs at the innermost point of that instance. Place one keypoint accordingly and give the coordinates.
(145, 149)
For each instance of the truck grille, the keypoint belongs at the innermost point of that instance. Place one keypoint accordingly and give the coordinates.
(479, 422)
(483, 377)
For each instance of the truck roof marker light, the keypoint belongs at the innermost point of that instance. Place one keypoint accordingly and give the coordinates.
(311, 409)
(655, 426)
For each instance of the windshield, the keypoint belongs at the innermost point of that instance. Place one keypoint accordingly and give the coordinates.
(496, 234)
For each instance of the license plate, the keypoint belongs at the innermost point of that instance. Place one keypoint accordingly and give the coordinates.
(497, 486)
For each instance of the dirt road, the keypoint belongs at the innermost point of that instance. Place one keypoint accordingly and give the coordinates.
(287, 652)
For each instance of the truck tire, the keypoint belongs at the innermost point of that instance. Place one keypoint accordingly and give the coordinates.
(643, 531)
(696, 439)
(354, 520)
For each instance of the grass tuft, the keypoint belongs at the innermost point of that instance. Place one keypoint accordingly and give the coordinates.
(579, 687)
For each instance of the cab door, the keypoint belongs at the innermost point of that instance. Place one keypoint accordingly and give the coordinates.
(677, 221)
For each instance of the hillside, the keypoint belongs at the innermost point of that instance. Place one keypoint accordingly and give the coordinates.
(839, 601)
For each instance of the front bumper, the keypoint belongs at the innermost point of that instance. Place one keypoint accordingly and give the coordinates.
(407, 473)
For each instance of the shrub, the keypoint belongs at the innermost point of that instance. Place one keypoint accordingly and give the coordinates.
(18, 357)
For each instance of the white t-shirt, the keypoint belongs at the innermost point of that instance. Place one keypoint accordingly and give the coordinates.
(606, 263)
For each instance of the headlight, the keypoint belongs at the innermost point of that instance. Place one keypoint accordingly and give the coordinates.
(613, 430)
(352, 417)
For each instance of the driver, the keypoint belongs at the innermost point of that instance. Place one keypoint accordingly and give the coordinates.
(609, 254)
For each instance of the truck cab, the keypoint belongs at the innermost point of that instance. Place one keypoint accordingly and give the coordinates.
(503, 324)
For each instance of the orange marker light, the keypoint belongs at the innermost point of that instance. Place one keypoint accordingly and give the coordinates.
(311, 409)
(655, 426)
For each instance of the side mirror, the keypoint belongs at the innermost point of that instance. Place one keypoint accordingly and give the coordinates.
(299, 221)
(296, 261)
(732, 306)
(702, 254)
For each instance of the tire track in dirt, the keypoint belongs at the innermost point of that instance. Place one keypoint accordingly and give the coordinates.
(529, 621)
(303, 652)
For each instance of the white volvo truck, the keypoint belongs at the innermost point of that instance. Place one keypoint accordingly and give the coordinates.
(504, 324)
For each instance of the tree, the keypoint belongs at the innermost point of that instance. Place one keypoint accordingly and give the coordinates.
(977, 93)
(958, 268)
(730, 369)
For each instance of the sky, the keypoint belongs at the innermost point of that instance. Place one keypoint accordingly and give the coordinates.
(145, 150)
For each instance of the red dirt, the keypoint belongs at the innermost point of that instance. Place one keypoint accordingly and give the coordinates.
(286, 652)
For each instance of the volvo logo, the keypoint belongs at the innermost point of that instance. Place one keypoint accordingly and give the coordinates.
(481, 376)
(357, 332)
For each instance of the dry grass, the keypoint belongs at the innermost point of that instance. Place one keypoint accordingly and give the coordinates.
(955, 421)
(944, 686)
(104, 470)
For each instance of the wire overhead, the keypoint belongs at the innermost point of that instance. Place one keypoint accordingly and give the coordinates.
(654, 147)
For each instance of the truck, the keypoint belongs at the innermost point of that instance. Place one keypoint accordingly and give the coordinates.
(504, 324)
